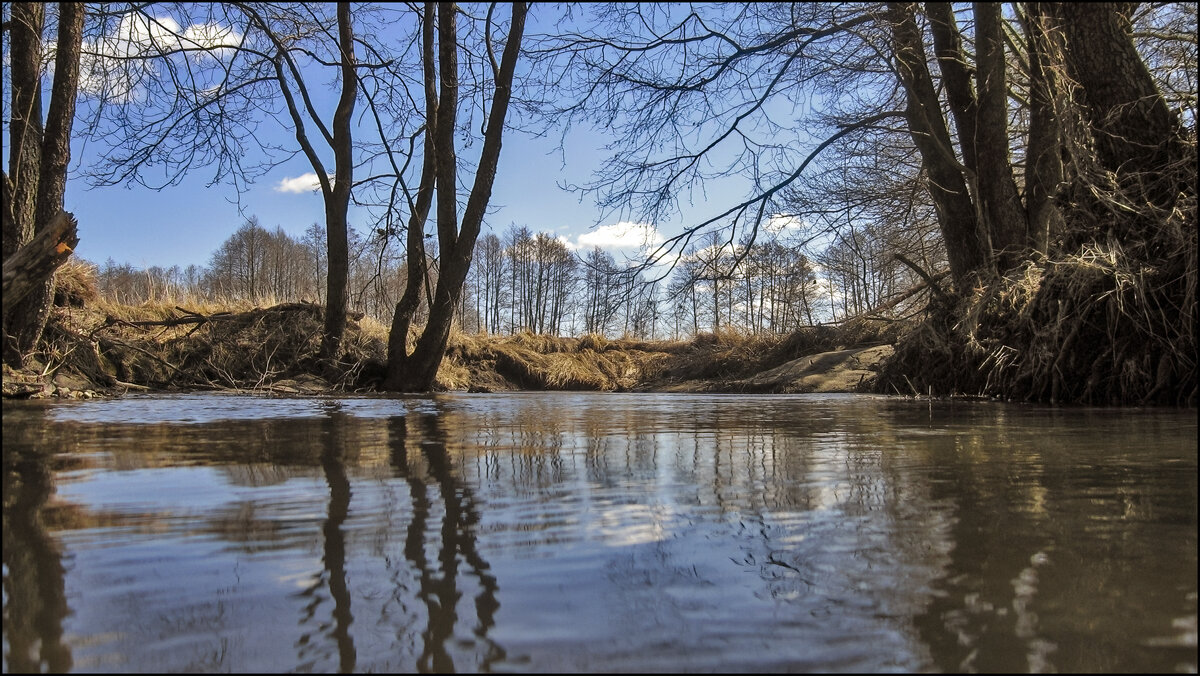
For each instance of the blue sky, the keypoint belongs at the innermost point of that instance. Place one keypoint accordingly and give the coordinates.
(186, 223)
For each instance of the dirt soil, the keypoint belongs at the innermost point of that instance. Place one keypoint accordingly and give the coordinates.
(852, 370)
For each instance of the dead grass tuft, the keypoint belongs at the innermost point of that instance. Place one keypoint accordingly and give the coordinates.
(75, 284)
(533, 361)
(1108, 324)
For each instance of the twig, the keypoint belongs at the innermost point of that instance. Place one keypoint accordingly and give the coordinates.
(923, 275)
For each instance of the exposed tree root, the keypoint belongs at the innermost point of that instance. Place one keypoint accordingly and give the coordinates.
(1102, 326)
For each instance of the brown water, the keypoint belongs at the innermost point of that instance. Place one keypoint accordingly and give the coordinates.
(598, 532)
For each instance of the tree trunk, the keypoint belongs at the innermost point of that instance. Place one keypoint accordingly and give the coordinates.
(1044, 170)
(25, 129)
(39, 157)
(411, 299)
(1134, 130)
(25, 153)
(997, 194)
(965, 247)
(27, 270)
(418, 371)
(956, 76)
(337, 199)
(56, 144)
(1136, 137)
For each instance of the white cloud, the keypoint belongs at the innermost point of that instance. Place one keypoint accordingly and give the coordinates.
(778, 223)
(115, 66)
(216, 39)
(300, 184)
(623, 236)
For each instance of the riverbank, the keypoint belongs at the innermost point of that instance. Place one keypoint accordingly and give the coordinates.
(1013, 339)
(97, 349)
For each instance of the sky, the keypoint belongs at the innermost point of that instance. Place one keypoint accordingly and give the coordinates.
(184, 224)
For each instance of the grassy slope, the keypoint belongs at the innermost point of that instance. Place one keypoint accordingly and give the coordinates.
(92, 344)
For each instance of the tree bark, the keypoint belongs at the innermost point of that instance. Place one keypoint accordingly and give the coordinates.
(25, 128)
(1136, 134)
(28, 269)
(998, 197)
(56, 143)
(337, 198)
(966, 250)
(38, 169)
(1044, 170)
(25, 153)
(415, 242)
(957, 77)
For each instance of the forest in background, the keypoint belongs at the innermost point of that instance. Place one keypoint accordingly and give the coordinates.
(1032, 163)
(538, 283)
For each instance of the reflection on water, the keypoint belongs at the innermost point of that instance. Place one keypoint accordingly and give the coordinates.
(604, 532)
(34, 602)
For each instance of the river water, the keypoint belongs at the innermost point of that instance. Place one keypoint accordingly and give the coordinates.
(597, 532)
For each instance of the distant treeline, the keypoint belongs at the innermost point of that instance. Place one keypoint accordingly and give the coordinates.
(525, 281)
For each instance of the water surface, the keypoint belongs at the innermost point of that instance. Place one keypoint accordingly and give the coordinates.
(600, 532)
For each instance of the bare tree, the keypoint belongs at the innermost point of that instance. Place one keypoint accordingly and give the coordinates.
(601, 291)
(181, 97)
(489, 268)
(39, 152)
(456, 239)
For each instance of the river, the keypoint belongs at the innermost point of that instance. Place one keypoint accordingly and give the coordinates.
(533, 532)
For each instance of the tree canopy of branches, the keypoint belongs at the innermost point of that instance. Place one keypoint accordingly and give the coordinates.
(700, 93)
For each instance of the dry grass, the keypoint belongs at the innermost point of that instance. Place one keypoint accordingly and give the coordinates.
(75, 284)
(168, 308)
(241, 346)
(593, 362)
(252, 347)
(594, 342)
(373, 330)
(1108, 324)
(534, 361)
(723, 354)
(452, 375)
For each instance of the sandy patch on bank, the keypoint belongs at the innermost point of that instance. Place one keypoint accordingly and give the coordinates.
(850, 370)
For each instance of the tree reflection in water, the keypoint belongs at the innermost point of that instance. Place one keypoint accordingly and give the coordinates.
(430, 468)
(632, 533)
(34, 587)
(333, 463)
(457, 537)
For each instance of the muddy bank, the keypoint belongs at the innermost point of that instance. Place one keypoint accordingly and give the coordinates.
(852, 370)
(1100, 327)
